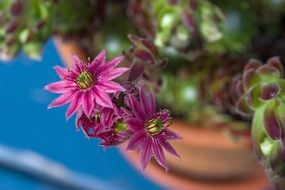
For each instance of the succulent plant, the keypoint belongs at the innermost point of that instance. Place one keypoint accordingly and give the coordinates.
(218, 85)
(184, 25)
(29, 24)
(145, 62)
(261, 96)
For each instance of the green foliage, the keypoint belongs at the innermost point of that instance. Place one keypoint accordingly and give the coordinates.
(28, 24)
(262, 89)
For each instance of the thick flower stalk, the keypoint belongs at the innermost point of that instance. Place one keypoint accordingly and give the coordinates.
(114, 112)
(261, 90)
(145, 62)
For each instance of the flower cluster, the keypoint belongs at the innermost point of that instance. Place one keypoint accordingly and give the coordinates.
(114, 112)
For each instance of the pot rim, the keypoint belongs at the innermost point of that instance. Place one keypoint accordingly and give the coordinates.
(208, 137)
(174, 180)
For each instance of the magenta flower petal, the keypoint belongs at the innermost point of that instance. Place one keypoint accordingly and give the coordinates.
(60, 86)
(102, 98)
(61, 72)
(135, 141)
(135, 125)
(145, 153)
(110, 86)
(137, 109)
(76, 62)
(147, 102)
(74, 105)
(88, 103)
(111, 64)
(98, 62)
(159, 155)
(62, 100)
(114, 73)
(168, 147)
(170, 135)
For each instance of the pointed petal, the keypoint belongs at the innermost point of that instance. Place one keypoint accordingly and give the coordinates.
(102, 98)
(88, 103)
(61, 72)
(112, 74)
(78, 119)
(171, 135)
(135, 141)
(159, 155)
(62, 100)
(60, 86)
(74, 105)
(145, 153)
(135, 125)
(136, 108)
(168, 147)
(75, 63)
(110, 87)
(147, 102)
(97, 62)
(111, 64)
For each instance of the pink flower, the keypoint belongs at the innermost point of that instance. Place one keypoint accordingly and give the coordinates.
(115, 131)
(150, 130)
(106, 124)
(87, 85)
(90, 125)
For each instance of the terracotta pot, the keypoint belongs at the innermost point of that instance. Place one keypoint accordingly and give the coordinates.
(209, 160)
(66, 49)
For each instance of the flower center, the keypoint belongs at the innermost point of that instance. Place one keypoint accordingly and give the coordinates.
(84, 80)
(154, 126)
(120, 126)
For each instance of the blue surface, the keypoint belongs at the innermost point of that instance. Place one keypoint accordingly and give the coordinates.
(27, 124)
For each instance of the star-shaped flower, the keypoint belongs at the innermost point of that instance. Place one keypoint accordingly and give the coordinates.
(150, 129)
(87, 84)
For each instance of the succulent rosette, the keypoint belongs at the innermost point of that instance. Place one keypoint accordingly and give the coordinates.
(114, 112)
(261, 90)
(28, 24)
(185, 25)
